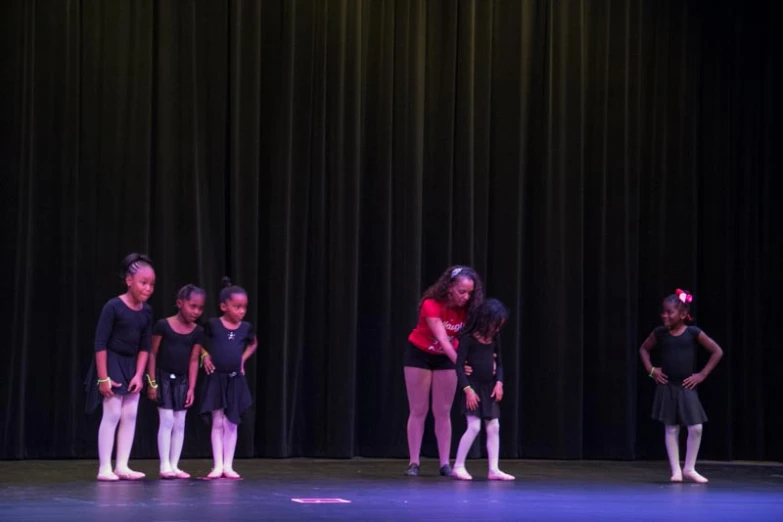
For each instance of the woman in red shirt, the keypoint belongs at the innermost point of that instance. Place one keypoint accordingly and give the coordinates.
(444, 310)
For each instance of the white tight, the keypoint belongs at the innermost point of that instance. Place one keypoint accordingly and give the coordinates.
(493, 442)
(117, 409)
(224, 441)
(171, 435)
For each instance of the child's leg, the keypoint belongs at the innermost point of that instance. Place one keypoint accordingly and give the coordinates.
(112, 408)
(125, 433)
(493, 450)
(164, 438)
(444, 384)
(218, 418)
(177, 438)
(474, 426)
(673, 451)
(691, 452)
(229, 446)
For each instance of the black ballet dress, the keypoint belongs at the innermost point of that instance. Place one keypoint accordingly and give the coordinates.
(123, 333)
(673, 404)
(481, 358)
(172, 363)
(226, 388)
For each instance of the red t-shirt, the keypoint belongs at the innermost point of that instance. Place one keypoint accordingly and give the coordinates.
(453, 320)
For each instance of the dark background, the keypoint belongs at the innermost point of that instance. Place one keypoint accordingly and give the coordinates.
(333, 157)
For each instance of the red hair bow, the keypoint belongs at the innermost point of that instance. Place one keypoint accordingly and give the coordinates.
(684, 296)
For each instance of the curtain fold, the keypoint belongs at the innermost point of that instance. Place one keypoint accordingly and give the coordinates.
(334, 157)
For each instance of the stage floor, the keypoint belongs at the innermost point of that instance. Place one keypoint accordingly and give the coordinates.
(377, 490)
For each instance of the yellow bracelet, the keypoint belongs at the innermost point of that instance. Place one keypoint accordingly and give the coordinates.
(153, 384)
(107, 379)
(650, 375)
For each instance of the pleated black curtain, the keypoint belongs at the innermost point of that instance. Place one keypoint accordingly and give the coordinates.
(333, 157)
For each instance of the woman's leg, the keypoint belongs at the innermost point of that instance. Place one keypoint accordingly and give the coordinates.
(418, 382)
(444, 385)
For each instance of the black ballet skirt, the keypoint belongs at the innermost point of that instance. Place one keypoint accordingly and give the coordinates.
(674, 405)
(121, 369)
(227, 391)
(172, 390)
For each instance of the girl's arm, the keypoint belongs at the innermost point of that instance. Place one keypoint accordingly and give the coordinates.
(462, 356)
(498, 361)
(105, 384)
(102, 335)
(497, 392)
(435, 325)
(249, 350)
(137, 383)
(715, 355)
(152, 389)
(471, 398)
(644, 354)
(192, 374)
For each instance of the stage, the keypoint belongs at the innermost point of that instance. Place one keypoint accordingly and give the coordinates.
(375, 489)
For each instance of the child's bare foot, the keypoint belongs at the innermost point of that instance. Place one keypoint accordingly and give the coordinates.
(694, 476)
(676, 477)
(461, 473)
(178, 473)
(216, 473)
(500, 475)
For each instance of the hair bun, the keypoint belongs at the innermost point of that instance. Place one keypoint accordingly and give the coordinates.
(226, 281)
(132, 262)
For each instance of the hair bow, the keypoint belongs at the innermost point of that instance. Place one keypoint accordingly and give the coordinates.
(684, 296)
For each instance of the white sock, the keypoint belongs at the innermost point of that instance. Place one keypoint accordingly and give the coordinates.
(229, 444)
(465, 443)
(177, 438)
(671, 438)
(112, 409)
(692, 447)
(493, 443)
(126, 431)
(164, 438)
(217, 439)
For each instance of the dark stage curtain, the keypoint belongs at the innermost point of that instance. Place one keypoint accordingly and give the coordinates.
(333, 157)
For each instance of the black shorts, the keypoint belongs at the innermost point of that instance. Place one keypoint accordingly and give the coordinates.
(418, 358)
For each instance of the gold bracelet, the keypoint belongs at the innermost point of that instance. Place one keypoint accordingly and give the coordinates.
(107, 379)
(153, 384)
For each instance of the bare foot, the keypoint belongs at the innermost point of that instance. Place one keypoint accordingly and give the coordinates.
(676, 477)
(216, 473)
(694, 476)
